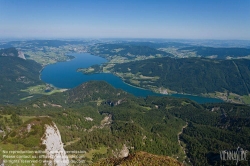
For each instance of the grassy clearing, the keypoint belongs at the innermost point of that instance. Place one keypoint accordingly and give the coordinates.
(106, 68)
(26, 118)
(169, 107)
(90, 154)
(41, 89)
(136, 79)
(25, 98)
(184, 103)
(148, 78)
(134, 82)
(23, 118)
(118, 49)
(118, 59)
(246, 99)
(161, 90)
(89, 70)
(230, 97)
(99, 102)
(72, 142)
(146, 108)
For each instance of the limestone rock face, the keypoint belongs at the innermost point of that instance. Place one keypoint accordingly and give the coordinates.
(124, 152)
(21, 55)
(54, 146)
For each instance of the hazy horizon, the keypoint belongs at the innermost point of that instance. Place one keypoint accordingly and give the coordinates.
(191, 20)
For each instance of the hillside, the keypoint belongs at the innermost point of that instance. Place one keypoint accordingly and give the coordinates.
(140, 158)
(220, 53)
(85, 123)
(130, 51)
(188, 75)
(17, 74)
(27, 140)
(12, 52)
(9, 52)
(161, 126)
(89, 92)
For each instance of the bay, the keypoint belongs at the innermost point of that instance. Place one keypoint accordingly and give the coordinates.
(65, 75)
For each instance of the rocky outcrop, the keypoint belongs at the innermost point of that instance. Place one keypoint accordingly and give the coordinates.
(21, 55)
(29, 127)
(114, 103)
(121, 153)
(124, 152)
(54, 146)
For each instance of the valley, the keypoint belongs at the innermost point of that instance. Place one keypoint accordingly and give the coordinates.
(110, 122)
(124, 83)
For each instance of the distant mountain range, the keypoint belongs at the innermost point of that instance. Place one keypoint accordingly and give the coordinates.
(38, 43)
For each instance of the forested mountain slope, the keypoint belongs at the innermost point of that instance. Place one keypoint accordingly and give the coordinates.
(221, 53)
(190, 75)
(109, 123)
(16, 74)
(9, 52)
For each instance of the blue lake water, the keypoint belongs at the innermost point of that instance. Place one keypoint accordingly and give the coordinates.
(65, 75)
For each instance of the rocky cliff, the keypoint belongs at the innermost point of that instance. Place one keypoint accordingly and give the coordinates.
(54, 146)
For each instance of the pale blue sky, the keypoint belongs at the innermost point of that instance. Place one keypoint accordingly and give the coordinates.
(180, 19)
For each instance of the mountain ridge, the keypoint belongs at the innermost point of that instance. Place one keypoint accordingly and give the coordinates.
(13, 52)
(16, 74)
(188, 75)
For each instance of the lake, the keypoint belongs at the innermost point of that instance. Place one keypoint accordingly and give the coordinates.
(65, 75)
